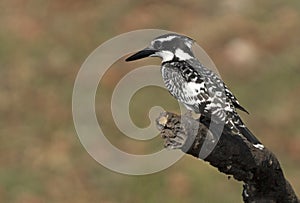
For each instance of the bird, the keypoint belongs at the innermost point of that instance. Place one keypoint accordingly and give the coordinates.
(197, 87)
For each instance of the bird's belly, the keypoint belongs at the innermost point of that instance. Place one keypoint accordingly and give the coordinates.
(191, 94)
(185, 92)
(192, 88)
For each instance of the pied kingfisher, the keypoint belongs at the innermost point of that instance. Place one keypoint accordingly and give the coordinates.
(194, 85)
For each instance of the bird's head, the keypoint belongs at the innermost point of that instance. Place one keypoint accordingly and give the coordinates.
(168, 47)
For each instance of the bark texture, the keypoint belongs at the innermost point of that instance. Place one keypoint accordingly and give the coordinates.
(233, 155)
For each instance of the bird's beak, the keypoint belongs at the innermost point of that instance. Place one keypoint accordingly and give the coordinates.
(141, 54)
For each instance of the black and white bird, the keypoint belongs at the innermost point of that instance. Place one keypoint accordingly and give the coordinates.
(194, 85)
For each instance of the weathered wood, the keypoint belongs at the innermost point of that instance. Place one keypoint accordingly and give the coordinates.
(259, 169)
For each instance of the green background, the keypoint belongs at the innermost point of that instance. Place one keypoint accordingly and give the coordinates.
(254, 44)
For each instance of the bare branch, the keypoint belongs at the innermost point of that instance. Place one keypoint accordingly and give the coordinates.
(233, 155)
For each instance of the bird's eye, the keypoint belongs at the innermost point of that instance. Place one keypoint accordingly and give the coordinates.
(158, 45)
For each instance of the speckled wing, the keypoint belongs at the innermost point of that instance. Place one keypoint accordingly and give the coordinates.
(234, 100)
(189, 93)
(203, 92)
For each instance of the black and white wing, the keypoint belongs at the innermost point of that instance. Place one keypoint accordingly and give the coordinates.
(233, 99)
(194, 90)
(205, 93)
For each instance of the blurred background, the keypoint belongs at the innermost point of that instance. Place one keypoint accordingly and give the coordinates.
(254, 44)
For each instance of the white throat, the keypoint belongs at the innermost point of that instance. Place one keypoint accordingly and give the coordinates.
(165, 55)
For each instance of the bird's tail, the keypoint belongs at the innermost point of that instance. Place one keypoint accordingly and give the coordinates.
(244, 130)
(248, 135)
(237, 124)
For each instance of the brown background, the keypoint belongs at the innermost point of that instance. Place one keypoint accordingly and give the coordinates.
(255, 45)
